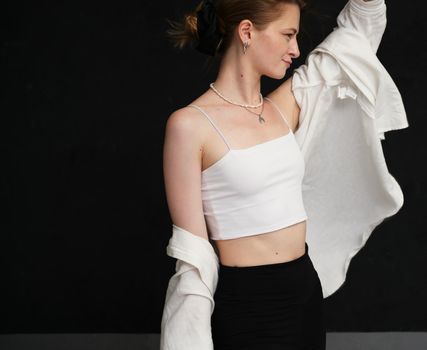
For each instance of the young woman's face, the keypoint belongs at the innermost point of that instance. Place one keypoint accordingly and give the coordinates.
(277, 44)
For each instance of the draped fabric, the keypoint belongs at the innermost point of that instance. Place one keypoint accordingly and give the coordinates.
(348, 101)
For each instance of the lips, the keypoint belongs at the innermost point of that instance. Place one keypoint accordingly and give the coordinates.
(288, 62)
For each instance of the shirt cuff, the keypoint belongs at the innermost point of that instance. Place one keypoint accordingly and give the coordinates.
(370, 8)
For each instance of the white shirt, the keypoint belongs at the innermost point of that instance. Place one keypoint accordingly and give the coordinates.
(348, 101)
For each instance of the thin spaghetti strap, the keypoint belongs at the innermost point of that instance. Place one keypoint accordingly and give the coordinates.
(275, 106)
(213, 124)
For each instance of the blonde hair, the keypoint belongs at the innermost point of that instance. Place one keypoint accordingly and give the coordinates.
(229, 14)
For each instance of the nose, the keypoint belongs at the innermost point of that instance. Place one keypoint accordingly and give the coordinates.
(294, 49)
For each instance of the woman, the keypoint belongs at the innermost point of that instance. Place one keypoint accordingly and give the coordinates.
(235, 169)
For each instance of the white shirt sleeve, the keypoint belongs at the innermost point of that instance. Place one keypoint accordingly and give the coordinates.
(367, 17)
(348, 101)
(187, 311)
(189, 302)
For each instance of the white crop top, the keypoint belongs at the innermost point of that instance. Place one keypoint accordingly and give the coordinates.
(254, 190)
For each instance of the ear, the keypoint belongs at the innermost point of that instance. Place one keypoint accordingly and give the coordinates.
(245, 29)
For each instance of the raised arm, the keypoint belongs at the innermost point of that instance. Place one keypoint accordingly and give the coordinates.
(368, 17)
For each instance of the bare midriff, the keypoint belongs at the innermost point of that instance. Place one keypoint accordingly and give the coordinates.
(268, 248)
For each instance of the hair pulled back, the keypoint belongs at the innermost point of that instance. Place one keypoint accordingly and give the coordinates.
(225, 15)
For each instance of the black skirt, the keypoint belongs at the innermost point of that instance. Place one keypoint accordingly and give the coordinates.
(266, 307)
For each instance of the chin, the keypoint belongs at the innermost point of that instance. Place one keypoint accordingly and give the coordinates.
(277, 75)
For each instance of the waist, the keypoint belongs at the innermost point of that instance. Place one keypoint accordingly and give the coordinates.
(274, 247)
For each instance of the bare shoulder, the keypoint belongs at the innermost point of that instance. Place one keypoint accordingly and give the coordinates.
(185, 125)
(285, 100)
(185, 118)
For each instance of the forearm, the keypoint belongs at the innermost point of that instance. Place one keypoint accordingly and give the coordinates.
(368, 17)
(189, 303)
(187, 311)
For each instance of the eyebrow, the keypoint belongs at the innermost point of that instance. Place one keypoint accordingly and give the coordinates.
(293, 29)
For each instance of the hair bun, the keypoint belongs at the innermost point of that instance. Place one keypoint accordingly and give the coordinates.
(207, 29)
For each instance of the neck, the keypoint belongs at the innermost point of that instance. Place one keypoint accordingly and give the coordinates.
(237, 80)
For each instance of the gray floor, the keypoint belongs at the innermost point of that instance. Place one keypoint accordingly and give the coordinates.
(335, 341)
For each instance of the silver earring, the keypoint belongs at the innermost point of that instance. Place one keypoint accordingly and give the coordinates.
(245, 46)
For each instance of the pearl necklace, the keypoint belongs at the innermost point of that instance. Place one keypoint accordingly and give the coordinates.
(260, 118)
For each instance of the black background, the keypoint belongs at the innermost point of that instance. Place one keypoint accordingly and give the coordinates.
(86, 92)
